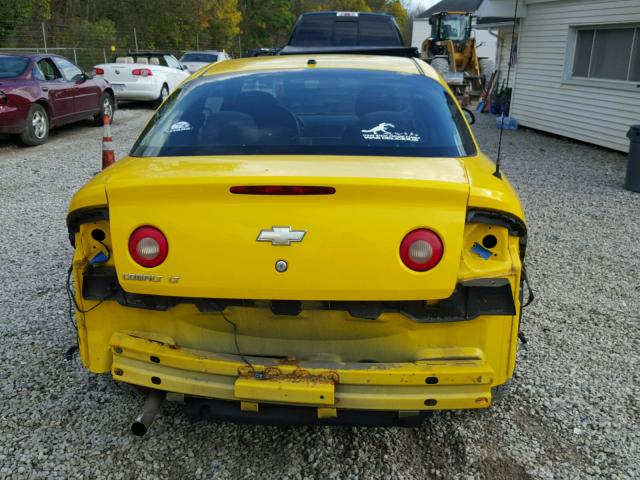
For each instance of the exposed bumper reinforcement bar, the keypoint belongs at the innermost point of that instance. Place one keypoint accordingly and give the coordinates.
(411, 386)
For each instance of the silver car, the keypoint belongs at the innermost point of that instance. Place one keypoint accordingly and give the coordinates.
(194, 61)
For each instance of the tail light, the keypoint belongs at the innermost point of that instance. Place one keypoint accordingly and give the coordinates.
(142, 72)
(148, 246)
(421, 250)
(98, 71)
(282, 190)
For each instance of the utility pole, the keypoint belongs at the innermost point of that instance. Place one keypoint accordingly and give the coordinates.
(44, 38)
(135, 36)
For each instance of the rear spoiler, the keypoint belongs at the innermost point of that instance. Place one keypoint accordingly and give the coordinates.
(411, 52)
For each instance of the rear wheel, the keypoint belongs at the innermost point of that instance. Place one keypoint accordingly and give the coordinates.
(36, 129)
(106, 108)
(164, 93)
(469, 116)
(441, 65)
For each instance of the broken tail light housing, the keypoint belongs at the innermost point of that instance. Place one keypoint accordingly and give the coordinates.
(148, 246)
(421, 250)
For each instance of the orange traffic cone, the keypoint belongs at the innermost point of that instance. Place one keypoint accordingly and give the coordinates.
(108, 155)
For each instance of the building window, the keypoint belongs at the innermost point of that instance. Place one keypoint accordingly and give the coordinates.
(608, 53)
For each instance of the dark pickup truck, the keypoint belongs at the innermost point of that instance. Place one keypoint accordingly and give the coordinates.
(347, 32)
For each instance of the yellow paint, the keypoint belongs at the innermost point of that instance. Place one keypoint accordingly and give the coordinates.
(324, 412)
(249, 407)
(285, 391)
(292, 62)
(377, 386)
(431, 193)
(350, 253)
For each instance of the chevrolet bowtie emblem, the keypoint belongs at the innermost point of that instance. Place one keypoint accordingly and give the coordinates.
(281, 235)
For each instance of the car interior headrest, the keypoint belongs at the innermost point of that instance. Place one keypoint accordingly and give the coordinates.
(376, 99)
(230, 128)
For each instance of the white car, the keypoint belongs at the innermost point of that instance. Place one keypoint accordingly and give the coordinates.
(194, 61)
(146, 76)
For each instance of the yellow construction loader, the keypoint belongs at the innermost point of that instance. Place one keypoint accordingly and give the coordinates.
(452, 51)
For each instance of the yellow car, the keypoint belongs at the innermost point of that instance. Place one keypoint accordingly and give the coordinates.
(302, 239)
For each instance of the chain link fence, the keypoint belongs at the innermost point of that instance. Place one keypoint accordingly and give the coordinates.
(89, 44)
(86, 58)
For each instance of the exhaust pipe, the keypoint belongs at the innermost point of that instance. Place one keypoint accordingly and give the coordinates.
(150, 409)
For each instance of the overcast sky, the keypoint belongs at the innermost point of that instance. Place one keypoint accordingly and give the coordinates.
(419, 4)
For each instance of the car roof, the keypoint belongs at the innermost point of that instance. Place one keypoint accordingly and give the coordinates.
(35, 57)
(294, 62)
(30, 55)
(334, 13)
(203, 51)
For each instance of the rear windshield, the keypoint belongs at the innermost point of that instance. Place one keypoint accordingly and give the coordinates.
(312, 112)
(11, 67)
(334, 31)
(199, 57)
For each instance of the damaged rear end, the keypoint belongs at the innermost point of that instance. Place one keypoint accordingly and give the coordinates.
(350, 323)
(299, 288)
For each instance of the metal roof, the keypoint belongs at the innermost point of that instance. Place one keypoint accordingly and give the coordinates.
(451, 6)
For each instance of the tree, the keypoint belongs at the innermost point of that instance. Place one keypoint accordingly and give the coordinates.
(396, 9)
(343, 5)
(16, 12)
(166, 24)
(393, 7)
(265, 23)
(86, 34)
(223, 23)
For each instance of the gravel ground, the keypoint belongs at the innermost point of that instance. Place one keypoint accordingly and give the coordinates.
(572, 410)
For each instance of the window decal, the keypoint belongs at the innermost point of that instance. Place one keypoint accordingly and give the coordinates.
(180, 127)
(381, 132)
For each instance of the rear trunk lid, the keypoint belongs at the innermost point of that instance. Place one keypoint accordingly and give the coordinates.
(351, 247)
(121, 72)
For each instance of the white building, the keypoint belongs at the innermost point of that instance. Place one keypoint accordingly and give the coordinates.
(576, 65)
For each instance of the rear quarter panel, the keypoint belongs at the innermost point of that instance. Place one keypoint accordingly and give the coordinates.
(487, 191)
(21, 95)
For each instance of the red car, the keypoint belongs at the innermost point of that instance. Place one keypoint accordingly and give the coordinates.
(39, 92)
